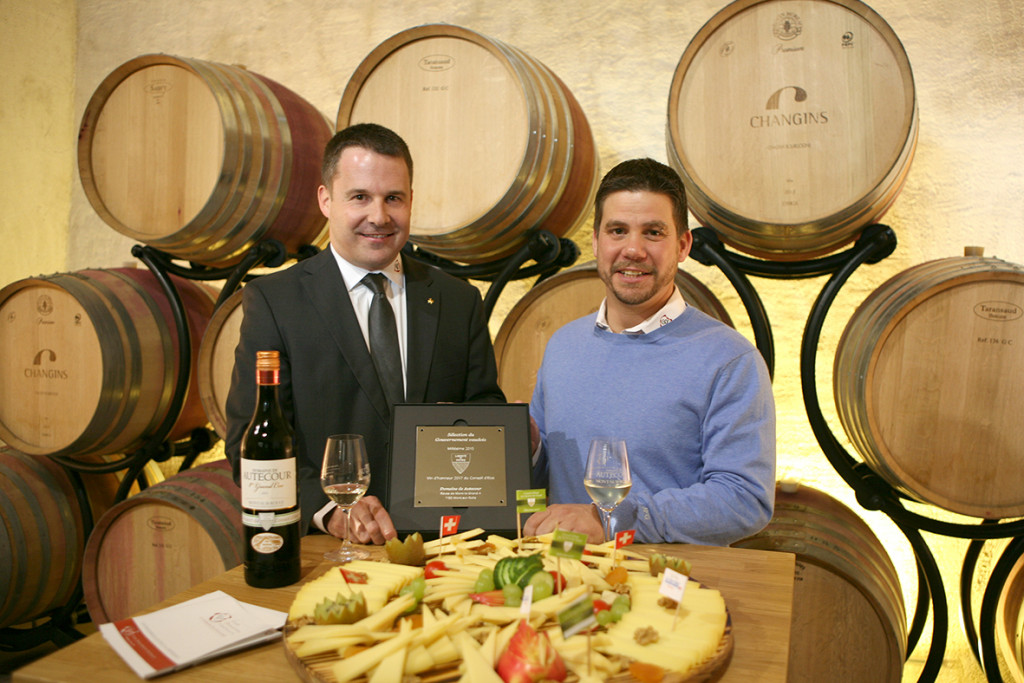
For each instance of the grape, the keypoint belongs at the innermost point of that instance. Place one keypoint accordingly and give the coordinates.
(543, 585)
(484, 581)
(513, 595)
(605, 617)
(418, 587)
(620, 607)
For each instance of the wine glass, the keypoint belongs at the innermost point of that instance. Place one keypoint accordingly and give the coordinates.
(345, 477)
(607, 477)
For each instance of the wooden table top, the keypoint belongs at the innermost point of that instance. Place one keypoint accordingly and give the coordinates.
(757, 587)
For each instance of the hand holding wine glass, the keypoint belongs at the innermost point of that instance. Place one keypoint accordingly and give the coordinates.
(607, 478)
(345, 477)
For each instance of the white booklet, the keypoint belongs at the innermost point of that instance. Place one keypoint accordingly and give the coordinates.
(194, 631)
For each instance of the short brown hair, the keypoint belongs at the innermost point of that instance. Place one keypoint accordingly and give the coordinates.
(636, 175)
(371, 136)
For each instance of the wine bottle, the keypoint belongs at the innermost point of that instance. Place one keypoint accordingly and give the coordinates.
(270, 500)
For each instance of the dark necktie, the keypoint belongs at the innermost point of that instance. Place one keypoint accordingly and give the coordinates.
(384, 340)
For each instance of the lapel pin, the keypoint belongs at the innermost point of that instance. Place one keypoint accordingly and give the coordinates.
(430, 300)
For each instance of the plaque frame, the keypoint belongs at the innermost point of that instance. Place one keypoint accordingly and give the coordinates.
(407, 417)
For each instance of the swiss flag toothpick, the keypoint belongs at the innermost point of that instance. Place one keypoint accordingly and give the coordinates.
(449, 524)
(622, 539)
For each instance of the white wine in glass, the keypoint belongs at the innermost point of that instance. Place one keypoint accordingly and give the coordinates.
(345, 477)
(607, 477)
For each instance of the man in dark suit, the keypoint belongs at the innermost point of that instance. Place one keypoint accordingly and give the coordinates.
(316, 314)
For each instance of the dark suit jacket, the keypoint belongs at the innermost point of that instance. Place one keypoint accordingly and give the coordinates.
(328, 382)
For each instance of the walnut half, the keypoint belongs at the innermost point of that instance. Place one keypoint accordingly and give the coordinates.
(645, 635)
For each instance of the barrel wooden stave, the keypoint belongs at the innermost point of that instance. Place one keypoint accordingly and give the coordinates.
(202, 160)
(119, 162)
(98, 350)
(42, 539)
(793, 125)
(217, 360)
(849, 620)
(176, 534)
(924, 383)
(234, 208)
(446, 88)
(1009, 625)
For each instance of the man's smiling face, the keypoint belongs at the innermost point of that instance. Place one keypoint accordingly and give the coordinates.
(368, 207)
(638, 249)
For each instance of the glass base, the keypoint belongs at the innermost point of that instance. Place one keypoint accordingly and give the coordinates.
(346, 554)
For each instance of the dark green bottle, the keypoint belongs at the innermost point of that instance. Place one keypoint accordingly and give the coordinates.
(270, 498)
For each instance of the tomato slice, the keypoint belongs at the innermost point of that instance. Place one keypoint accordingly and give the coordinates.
(352, 576)
(430, 571)
(495, 597)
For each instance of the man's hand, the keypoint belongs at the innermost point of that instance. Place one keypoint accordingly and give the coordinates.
(534, 435)
(369, 522)
(580, 518)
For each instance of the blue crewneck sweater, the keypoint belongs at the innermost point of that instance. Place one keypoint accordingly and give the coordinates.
(693, 402)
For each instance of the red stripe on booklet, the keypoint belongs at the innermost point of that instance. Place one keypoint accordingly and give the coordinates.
(142, 645)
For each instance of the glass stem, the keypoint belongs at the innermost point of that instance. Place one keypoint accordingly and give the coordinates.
(345, 541)
(607, 516)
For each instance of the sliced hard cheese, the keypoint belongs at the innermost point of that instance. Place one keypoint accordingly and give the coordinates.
(315, 631)
(390, 668)
(418, 660)
(321, 645)
(695, 638)
(358, 664)
(383, 619)
(443, 650)
(453, 625)
(477, 668)
(382, 582)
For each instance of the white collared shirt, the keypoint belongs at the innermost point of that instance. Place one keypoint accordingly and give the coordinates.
(672, 309)
(361, 297)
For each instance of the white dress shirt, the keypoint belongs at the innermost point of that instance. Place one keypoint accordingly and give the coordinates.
(361, 297)
(672, 309)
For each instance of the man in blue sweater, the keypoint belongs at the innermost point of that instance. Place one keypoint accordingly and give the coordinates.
(691, 397)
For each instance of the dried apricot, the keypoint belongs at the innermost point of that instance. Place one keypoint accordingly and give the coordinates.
(617, 575)
(646, 673)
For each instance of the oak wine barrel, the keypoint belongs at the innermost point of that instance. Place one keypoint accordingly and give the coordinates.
(180, 532)
(1009, 625)
(849, 620)
(217, 360)
(501, 146)
(555, 301)
(41, 537)
(926, 381)
(202, 160)
(46, 512)
(792, 124)
(89, 361)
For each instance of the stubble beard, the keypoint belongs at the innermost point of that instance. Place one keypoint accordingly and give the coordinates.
(631, 294)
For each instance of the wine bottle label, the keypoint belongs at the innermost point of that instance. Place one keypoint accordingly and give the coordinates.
(268, 520)
(267, 543)
(268, 484)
